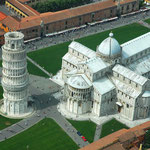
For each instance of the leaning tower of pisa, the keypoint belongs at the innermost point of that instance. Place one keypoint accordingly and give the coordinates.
(15, 78)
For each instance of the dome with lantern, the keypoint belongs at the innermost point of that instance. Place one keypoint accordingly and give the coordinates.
(109, 47)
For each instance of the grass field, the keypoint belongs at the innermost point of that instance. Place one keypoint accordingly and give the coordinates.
(51, 58)
(147, 20)
(5, 122)
(32, 69)
(146, 144)
(111, 126)
(45, 135)
(87, 128)
(1, 92)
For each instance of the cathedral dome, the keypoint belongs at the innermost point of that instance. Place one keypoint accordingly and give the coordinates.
(79, 82)
(109, 47)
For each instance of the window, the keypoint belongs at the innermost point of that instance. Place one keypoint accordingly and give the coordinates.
(66, 22)
(13, 46)
(127, 105)
(93, 15)
(80, 20)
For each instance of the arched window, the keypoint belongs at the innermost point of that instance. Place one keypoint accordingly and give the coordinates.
(12, 46)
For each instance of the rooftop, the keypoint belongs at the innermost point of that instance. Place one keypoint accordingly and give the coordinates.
(109, 47)
(71, 59)
(79, 81)
(101, 83)
(96, 64)
(126, 88)
(136, 45)
(112, 139)
(146, 94)
(82, 49)
(130, 74)
(35, 18)
(24, 8)
(141, 66)
(2, 16)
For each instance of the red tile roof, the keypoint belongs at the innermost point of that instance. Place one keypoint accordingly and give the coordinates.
(116, 146)
(23, 1)
(121, 135)
(127, 136)
(106, 141)
(35, 18)
(11, 23)
(2, 16)
(24, 8)
(1, 32)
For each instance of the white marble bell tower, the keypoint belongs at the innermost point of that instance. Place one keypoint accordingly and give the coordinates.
(15, 79)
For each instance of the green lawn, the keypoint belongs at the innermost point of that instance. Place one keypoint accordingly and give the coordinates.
(111, 126)
(45, 135)
(5, 122)
(146, 144)
(1, 92)
(87, 128)
(32, 69)
(51, 58)
(147, 20)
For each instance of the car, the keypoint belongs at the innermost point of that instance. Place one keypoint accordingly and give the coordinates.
(79, 133)
(84, 139)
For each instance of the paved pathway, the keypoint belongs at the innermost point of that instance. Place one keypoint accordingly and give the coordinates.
(144, 23)
(97, 132)
(68, 128)
(46, 72)
(19, 127)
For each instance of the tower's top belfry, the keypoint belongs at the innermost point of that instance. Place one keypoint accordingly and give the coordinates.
(14, 40)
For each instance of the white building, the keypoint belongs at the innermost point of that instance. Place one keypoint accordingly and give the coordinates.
(112, 79)
(15, 79)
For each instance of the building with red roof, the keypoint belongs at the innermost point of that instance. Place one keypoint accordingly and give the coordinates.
(124, 139)
(31, 20)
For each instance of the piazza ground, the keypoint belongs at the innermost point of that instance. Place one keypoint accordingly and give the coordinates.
(51, 57)
(45, 135)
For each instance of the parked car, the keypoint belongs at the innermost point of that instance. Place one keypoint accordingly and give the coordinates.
(79, 133)
(84, 139)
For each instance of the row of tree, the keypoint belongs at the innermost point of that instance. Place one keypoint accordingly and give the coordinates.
(56, 5)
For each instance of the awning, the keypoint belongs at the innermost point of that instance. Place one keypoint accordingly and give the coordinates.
(118, 103)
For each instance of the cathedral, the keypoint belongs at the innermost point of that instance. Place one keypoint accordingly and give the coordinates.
(114, 79)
